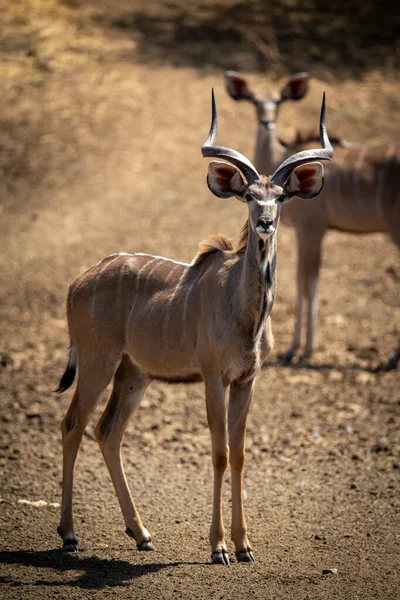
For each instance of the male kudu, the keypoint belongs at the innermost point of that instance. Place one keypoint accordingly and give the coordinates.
(360, 194)
(140, 318)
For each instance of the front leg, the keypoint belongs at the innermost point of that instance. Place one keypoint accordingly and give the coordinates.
(239, 404)
(216, 416)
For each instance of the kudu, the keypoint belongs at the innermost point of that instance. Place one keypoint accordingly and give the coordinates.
(360, 195)
(139, 318)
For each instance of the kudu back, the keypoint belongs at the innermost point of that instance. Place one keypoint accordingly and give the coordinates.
(136, 318)
(360, 194)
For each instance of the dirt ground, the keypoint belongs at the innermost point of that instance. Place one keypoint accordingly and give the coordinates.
(99, 153)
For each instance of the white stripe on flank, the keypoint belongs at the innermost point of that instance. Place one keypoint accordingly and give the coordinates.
(93, 303)
(186, 301)
(125, 267)
(169, 304)
(152, 259)
(116, 255)
(171, 271)
(148, 276)
(167, 277)
(177, 262)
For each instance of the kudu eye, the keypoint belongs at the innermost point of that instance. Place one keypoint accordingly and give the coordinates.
(248, 197)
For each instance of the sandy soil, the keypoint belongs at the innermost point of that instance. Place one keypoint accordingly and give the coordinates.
(100, 153)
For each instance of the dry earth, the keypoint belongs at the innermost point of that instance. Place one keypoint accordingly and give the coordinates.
(99, 153)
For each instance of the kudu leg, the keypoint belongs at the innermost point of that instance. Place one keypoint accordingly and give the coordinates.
(394, 230)
(239, 404)
(91, 383)
(216, 416)
(295, 344)
(309, 244)
(129, 387)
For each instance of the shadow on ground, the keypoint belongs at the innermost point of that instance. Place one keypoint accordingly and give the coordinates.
(98, 573)
(345, 37)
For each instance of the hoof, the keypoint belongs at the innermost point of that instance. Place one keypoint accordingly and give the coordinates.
(70, 547)
(391, 364)
(70, 544)
(245, 556)
(146, 546)
(287, 356)
(220, 557)
(305, 357)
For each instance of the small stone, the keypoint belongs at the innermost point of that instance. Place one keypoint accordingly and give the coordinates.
(329, 571)
(337, 319)
(365, 378)
(335, 376)
(33, 415)
(380, 446)
(36, 503)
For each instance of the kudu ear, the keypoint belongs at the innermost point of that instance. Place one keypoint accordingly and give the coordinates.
(296, 87)
(305, 181)
(237, 86)
(224, 180)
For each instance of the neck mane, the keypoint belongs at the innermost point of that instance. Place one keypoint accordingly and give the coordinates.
(219, 243)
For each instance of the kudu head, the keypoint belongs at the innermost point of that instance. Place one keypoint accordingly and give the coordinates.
(299, 175)
(267, 102)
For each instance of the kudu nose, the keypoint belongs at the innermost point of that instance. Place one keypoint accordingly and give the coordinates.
(265, 226)
(268, 124)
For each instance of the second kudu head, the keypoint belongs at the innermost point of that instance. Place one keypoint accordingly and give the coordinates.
(299, 175)
(268, 101)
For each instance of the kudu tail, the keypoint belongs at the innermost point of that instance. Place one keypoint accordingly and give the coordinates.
(69, 373)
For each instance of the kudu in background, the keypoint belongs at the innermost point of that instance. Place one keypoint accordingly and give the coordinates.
(139, 318)
(360, 194)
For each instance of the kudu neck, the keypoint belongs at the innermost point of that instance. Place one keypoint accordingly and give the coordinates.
(258, 276)
(269, 151)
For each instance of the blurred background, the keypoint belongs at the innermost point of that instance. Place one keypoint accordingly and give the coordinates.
(104, 107)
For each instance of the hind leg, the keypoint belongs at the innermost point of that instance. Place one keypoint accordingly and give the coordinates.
(394, 231)
(129, 387)
(309, 245)
(92, 382)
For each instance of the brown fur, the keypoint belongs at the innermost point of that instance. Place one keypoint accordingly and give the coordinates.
(218, 242)
(139, 318)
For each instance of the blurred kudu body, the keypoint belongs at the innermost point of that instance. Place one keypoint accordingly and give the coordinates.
(360, 195)
(141, 318)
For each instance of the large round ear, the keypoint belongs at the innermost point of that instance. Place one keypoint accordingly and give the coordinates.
(296, 87)
(305, 181)
(237, 86)
(224, 180)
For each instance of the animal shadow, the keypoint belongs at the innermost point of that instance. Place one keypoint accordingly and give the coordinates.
(98, 573)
